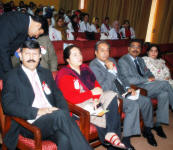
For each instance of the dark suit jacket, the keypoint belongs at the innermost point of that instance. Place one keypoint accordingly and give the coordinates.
(129, 72)
(104, 77)
(18, 96)
(13, 31)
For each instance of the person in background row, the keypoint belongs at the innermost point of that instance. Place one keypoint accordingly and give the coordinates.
(84, 25)
(31, 8)
(157, 65)
(114, 33)
(95, 25)
(60, 31)
(73, 25)
(49, 57)
(15, 28)
(127, 31)
(67, 17)
(105, 27)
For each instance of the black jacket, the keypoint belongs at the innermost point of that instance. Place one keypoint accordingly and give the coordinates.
(18, 96)
(13, 31)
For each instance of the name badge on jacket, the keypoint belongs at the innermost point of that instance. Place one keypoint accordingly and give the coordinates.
(46, 88)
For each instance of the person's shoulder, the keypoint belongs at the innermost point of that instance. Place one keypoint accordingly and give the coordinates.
(44, 70)
(112, 29)
(123, 57)
(93, 61)
(12, 74)
(162, 60)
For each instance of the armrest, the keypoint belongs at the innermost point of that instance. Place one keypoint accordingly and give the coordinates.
(35, 130)
(142, 91)
(84, 119)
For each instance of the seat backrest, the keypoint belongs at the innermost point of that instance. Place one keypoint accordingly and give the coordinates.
(2, 116)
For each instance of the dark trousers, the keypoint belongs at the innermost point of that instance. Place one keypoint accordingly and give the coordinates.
(61, 129)
(113, 123)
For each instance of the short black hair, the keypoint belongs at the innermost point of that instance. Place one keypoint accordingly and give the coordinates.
(36, 18)
(126, 21)
(154, 45)
(66, 52)
(136, 40)
(101, 42)
(44, 25)
(31, 44)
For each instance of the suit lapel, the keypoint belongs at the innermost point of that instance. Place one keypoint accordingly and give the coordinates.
(44, 78)
(141, 65)
(130, 61)
(99, 65)
(26, 83)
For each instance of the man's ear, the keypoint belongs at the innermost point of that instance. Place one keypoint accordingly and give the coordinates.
(128, 49)
(20, 56)
(67, 60)
(96, 53)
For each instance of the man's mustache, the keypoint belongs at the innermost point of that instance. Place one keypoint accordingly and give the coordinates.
(31, 60)
(135, 51)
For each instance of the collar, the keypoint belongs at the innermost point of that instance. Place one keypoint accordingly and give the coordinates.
(132, 57)
(29, 20)
(101, 62)
(28, 71)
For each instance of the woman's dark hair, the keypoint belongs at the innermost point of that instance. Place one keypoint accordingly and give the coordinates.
(61, 12)
(38, 10)
(127, 21)
(59, 17)
(31, 44)
(74, 24)
(106, 18)
(66, 53)
(154, 45)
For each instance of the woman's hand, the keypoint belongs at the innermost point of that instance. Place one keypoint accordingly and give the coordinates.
(97, 91)
(95, 102)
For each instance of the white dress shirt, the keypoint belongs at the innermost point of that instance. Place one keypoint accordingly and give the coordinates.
(84, 27)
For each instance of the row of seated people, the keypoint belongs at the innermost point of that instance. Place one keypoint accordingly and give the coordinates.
(73, 21)
(81, 81)
(75, 29)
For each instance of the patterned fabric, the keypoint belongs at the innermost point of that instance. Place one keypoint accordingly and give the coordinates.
(46, 145)
(86, 76)
(127, 32)
(158, 69)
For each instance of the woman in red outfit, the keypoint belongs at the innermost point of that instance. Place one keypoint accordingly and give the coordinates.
(79, 86)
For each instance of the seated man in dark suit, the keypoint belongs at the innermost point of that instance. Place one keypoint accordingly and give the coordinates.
(107, 74)
(133, 69)
(31, 93)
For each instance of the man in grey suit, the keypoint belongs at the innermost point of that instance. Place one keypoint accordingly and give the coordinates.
(134, 70)
(107, 74)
